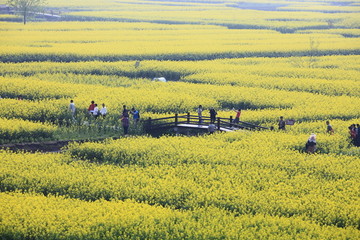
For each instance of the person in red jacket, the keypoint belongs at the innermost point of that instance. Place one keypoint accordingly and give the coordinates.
(237, 116)
(91, 108)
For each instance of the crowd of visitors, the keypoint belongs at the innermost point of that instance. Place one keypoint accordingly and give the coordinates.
(310, 145)
(95, 112)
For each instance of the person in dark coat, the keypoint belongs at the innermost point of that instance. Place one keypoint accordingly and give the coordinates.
(281, 123)
(125, 123)
(352, 132)
(213, 114)
(125, 112)
(329, 128)
(357, 135)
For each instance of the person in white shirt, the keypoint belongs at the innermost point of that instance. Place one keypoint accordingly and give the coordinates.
(103, 110)
(96, 111)
(72, 108)
(199, 112)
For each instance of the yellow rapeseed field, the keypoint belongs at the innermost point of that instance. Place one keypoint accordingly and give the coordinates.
(270, 58)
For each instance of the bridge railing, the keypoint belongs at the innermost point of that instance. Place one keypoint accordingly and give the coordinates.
(179, 120)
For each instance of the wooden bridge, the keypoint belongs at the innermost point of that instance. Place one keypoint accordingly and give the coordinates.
(194, 122)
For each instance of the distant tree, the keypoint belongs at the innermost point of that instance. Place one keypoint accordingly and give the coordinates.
(26, 8)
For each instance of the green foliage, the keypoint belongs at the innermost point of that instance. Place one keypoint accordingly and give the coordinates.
(26, 8)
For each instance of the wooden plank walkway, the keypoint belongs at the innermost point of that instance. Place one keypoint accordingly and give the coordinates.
(202, 127)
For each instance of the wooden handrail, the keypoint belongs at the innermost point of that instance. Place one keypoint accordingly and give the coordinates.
(164, 118)
(226, 123)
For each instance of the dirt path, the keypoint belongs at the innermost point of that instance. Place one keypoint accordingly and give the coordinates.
(51, 146)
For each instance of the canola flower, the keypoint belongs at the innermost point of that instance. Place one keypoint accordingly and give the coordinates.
(294, 15)
(40, 217)
(47, 110)
(16, 129)
(175, 97)
(35, 90)
(122, 43)
(241, 185)
(245, 173)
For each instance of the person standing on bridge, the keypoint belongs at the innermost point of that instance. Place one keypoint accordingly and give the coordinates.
(237, 116)
(213, 114)
(199, 112)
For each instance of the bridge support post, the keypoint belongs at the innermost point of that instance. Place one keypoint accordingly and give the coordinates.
(148, 125)
(188, 118)
(176, 119)
(218, 123)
